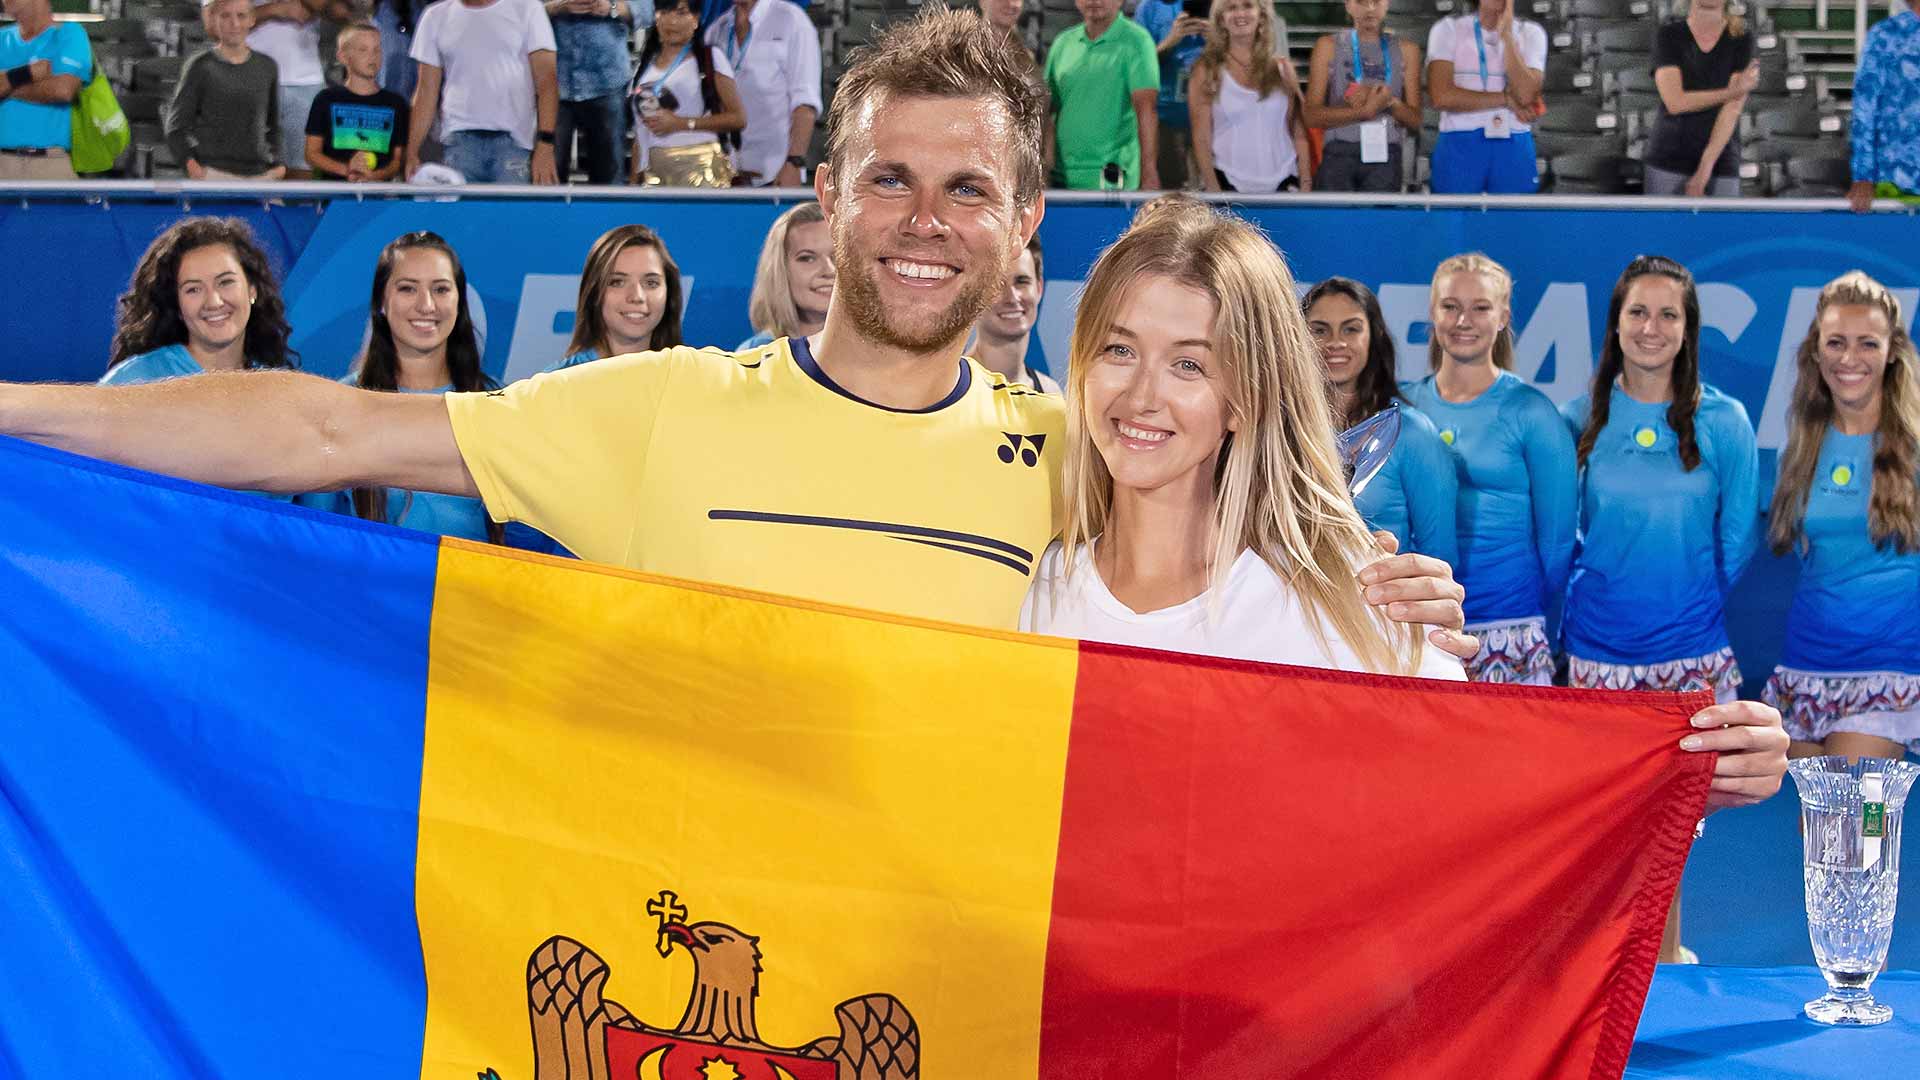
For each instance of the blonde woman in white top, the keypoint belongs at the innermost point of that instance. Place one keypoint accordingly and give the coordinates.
(1206, 508)
(1206, 511)
(1243, 99)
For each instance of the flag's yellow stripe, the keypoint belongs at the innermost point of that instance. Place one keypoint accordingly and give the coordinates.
(877, 798)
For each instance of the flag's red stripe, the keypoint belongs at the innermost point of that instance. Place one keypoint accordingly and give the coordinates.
(1335, 875)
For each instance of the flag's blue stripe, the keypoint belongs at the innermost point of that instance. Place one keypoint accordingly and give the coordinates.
(211, 710)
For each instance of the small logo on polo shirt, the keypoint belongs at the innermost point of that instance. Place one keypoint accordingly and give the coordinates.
(1842, 475)
(1024, 447)
(1446, 436)
(1646, 437)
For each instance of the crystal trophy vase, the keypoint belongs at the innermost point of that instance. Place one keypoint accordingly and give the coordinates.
(1364, 447)
(1850, 822)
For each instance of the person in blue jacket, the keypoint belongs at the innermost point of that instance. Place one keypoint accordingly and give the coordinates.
(202, 298)
(1414, 494)
(1668, 502)
(422, 342)
(1847, 501)
(1519, 489)
(630, 299)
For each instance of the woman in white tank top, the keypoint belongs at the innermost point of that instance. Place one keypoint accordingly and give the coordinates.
(1249, 132)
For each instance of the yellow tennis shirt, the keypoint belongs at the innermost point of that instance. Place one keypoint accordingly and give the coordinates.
(754, 469)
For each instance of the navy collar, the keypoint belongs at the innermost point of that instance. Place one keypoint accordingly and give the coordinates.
(803, 355)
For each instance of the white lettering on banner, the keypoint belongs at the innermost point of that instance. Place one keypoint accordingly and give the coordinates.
(1559, 325)
(1058, 305)
(536, 345)
(1726, 308)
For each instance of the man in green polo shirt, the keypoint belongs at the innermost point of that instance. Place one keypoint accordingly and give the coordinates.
(1104, 77)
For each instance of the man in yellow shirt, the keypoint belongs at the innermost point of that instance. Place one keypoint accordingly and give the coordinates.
(870, 465)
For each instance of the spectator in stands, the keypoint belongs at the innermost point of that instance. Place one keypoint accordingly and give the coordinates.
(1413, 495)
(420, 341)
(1004, 330)
(357, 132)
(1484, 72)
(223, 122)
(683, 112)
(288, 33)
(1179, 36)
(1847, 502)
(202, 299)
(630, 299)
(593, 67)
(490, 65)
(1886, 112)
(1704, 68)
(46, 63)
(1519, 485)
(774, 52)
(1104, 78)
(793, 284)
(1004, 16)
(1363, 87)
(1249, 126)
(396, 20)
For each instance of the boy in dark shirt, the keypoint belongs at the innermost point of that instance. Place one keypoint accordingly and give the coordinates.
(358, 132)
(223, 122)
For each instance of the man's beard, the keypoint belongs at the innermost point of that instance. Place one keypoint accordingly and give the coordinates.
(859, 293)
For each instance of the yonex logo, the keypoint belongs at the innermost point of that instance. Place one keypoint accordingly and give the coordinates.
(1029, 453)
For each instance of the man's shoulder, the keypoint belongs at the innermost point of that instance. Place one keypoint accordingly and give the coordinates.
(1038, 410)
(1133, 29)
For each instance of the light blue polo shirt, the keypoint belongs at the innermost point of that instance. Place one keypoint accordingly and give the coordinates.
(33, 124)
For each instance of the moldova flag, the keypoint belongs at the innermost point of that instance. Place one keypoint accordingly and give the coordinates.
(285, 794)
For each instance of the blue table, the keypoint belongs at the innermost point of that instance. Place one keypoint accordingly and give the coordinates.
(1739, 1023)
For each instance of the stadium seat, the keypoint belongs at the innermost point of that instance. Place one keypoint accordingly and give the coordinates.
(157, 73)
(1795, 131)
(1588, 174)
(1817, 177)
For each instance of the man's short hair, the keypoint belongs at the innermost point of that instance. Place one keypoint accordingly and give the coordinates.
(945, 53)
(355, 27)
(1039, 263)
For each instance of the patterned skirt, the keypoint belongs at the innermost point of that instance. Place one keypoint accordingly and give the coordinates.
(1715, 671)
(1515, 651)
(1816, 704)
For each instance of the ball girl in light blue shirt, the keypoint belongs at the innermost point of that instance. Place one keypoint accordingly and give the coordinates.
(1847, 501)
(1413, 495)
(202, 298)
(793, 282)
(1669, 497)
(630, 298)
(422, 341)
(1515, 463)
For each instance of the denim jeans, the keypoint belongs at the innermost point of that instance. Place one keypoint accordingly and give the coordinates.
(602, 124)
(487, 157)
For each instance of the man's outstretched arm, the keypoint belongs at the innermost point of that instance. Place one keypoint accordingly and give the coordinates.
(274, 431)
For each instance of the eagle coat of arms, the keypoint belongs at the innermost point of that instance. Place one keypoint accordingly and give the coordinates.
(580, 1034)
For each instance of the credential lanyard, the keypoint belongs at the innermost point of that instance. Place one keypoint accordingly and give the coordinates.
(733, 56)
(1386, 57)
(1478, 43)
(675, 66)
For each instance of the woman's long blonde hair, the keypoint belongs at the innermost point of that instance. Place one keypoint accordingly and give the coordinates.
(1893, 505)
(1279, 487)
(770, 306)
(1271, 69)
(1475, 263)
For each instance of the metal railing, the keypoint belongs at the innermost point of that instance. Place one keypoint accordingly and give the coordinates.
(186, 191)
